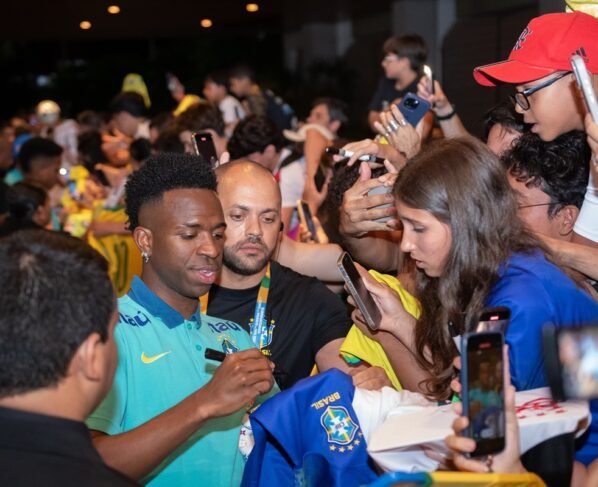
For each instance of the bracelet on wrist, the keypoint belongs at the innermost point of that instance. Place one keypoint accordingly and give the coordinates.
(448, 116)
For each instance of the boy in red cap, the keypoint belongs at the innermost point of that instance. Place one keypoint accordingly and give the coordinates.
(546, 91)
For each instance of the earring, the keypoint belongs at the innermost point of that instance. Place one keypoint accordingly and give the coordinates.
(145, 256)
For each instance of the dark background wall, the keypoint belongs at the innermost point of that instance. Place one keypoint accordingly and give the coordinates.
(301, 49)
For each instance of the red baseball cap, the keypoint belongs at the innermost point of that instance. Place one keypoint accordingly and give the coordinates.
(544, 47)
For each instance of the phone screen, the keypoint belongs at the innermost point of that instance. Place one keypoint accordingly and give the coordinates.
(204, 146)
(363, 298)
(483, 398)
(578, 356)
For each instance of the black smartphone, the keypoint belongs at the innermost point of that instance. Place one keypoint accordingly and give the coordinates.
(413, 108)
(482, 382)
(307, 219)
(204, 146)
(363, 299)
(571, 361)
(494, 319)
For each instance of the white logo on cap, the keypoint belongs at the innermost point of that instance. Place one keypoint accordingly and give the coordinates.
(526, 32)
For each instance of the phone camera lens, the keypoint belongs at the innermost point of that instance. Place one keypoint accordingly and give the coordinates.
(411, 103)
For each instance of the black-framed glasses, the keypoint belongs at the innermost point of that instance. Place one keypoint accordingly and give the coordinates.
(519, 207)
(521, 98)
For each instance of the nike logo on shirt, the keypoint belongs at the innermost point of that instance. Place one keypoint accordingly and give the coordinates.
(148, 360)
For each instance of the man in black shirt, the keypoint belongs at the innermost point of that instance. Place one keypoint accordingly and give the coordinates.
(404, 57)
(57, 359)
(300, 322)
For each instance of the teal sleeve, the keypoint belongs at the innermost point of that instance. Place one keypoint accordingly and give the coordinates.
(109, 415)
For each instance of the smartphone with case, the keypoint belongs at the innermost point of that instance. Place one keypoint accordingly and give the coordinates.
(494, 319)
(413, 108)
(482, 382)
(204, 146)
(306, 218)
(362, 297)
(585, 84)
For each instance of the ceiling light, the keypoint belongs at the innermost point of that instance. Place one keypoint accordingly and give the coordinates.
(206, 23)
(85, 25)
(252, 7)
(114, 9)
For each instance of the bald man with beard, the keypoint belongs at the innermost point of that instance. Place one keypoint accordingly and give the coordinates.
(300, 322)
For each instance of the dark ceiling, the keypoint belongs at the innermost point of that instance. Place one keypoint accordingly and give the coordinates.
(59, 19)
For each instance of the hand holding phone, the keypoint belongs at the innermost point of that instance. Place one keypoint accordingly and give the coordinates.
(585, 84)
(362, 297)
(482, 383)
(413, 108)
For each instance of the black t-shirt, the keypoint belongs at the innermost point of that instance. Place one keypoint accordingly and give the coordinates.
(386, 93)
(46, 450)
(304, 313)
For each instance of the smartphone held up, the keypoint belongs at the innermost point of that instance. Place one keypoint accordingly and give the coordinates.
(362, 297)
(482, 382)
(203, 145)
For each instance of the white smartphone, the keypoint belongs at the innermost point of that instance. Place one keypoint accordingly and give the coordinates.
(585, 84)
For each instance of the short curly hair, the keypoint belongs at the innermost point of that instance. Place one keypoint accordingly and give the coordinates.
(558, 168)
(161, 173)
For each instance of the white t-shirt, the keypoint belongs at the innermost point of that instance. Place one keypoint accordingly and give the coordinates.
(231, 109)
(586, 224)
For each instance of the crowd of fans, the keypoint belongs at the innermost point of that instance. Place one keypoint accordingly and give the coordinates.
(212, 255)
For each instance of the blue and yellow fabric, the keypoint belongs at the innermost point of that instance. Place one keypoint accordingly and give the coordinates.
(123, 256)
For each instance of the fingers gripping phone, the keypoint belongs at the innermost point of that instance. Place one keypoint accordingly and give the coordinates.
(204, 146)
(306, 219)
(413, 108)
(585, 84)
(362, 297)
(482, 382)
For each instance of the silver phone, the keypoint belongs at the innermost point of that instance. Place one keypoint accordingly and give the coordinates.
(585, 84)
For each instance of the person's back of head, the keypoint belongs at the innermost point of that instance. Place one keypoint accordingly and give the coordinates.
(201, 117)
(243, 71)
(253, 135)
(28, 207)
(502, 126)
(128, 102)
(90, 120)
(89, 146)
(410, 46)
(169, 141)
(140, 150)
(57, 305)
(38, 150)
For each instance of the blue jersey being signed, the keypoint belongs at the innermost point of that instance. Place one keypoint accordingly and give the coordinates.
(309, 435)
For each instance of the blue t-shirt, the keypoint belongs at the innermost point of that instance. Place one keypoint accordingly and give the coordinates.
(161, 362)
(538, 292)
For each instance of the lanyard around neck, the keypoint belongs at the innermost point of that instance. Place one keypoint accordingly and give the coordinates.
(258, 327)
